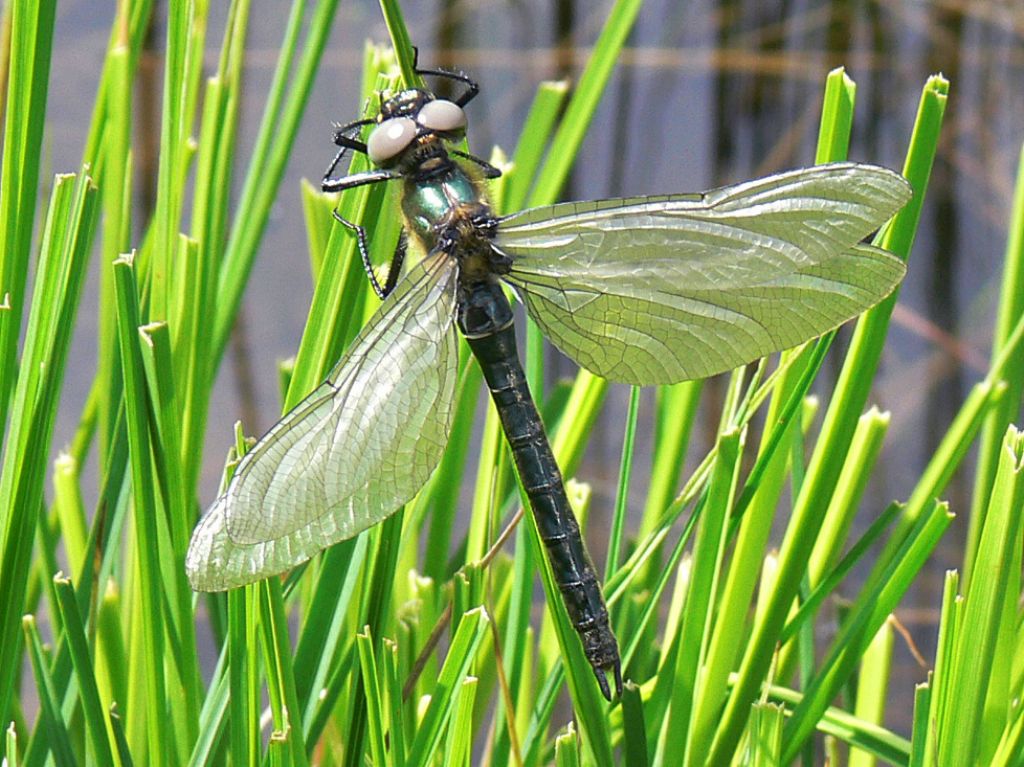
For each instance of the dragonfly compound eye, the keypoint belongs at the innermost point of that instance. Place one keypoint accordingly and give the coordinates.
(390, 138)
(441, 115)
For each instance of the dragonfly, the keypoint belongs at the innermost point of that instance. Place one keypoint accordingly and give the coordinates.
(642, 290)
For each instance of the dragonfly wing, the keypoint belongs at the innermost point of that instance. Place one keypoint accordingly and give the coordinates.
(656, 290)
(361, 445)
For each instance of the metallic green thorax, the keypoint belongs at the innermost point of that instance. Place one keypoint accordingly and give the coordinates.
(428, 202)
(448, 210)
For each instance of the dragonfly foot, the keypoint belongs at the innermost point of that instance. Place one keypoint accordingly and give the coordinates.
(602, 680)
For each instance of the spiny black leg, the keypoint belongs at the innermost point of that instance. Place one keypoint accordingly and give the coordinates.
(345, 137)
(472, 87)
(489, 170)
(364, 254)
(395, 269)
(349, 142)
(350, 182)
(334, 164)
(356, 179)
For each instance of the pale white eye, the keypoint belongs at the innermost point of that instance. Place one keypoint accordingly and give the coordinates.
(390, 138)
(441, 115)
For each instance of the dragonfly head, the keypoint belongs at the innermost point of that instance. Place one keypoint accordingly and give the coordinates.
(410, 115)
(405, 103)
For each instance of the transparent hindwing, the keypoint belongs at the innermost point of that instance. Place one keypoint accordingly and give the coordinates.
(655, 290)
(350, 454)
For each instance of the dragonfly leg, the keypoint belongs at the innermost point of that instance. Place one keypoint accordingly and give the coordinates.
(356, 179)
(351, 182)
(364, 254)
(489, 170)
(345, 136)
(472, 87)
(395, 269)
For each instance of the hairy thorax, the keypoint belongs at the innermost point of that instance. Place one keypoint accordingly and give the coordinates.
(446, 209)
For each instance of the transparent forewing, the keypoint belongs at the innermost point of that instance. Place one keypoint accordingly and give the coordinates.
(361, 445)
(656, 290)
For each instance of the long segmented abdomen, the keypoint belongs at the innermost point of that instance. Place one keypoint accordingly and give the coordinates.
(541, 478)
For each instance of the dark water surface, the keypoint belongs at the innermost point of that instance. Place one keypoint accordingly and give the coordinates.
(705, 94)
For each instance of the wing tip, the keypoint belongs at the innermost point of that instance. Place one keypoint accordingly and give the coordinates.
(214, 562)
(885, 180)
(202, 561)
